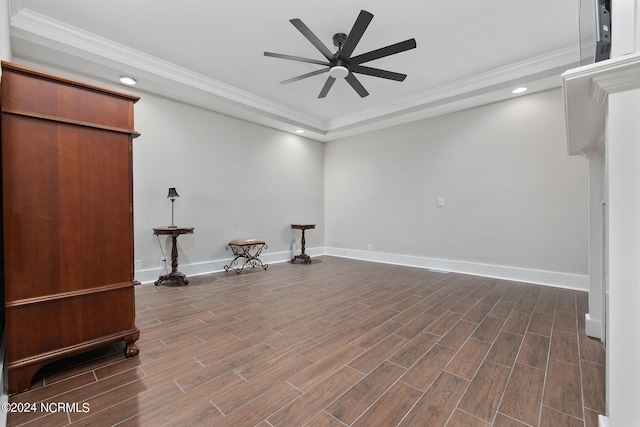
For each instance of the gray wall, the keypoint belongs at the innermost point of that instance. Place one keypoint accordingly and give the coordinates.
(515, 204)
(512, 195)
(235, 179)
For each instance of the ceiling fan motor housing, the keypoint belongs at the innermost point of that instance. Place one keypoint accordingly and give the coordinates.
(338, 39)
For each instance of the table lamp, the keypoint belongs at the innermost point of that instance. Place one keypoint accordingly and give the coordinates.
(173, 195)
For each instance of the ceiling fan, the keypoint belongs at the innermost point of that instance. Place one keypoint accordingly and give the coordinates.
(341, 64)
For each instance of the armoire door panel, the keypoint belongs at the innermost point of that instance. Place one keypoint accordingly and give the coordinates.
(58, 218)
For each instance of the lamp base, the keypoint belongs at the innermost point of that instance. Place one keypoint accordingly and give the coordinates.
(172, 226)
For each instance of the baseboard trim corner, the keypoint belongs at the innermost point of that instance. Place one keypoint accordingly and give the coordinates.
(603, 421)
(593, 327)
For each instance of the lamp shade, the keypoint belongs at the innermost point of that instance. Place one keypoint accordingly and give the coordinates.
(173, 194)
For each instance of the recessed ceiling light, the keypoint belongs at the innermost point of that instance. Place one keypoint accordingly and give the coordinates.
(129, 81)
(519, 90)
(299, 131)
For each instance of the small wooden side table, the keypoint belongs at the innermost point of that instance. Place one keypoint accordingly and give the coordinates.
(174, 232)
(302, 257)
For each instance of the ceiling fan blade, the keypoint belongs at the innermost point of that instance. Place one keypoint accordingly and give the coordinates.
(327, 85)
(354, 36)
(356, 85)
(312, 38)
(296, 58)
(304, 76)
(384, 51)
(376, 72)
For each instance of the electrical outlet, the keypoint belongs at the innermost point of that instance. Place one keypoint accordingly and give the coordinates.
(369, 247)
(138, 265)
(163, 261)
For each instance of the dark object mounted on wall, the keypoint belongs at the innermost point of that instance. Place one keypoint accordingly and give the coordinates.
(603, 32)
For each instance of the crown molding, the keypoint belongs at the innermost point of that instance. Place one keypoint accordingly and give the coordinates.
(585, 91)
(176, 82)
(40, 29)
(541, 66)
(539, 73)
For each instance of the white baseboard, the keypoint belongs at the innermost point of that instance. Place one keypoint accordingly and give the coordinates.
(603, 421)
(593, 327)
(216, 266)
(539, 277)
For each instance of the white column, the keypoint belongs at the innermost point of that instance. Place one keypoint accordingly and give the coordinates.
(5, 40)
(605, 97)
(623, 337)
(625, 22)
(5, 55)
(594, 323)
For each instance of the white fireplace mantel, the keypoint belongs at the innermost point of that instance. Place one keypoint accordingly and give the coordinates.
(602, 112)
(585, 95)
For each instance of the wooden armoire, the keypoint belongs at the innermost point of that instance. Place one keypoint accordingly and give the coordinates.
(67, 214)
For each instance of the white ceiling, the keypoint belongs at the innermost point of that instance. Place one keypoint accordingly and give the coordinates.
(210, 53)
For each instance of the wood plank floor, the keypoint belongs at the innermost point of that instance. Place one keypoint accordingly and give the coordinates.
(338, 343)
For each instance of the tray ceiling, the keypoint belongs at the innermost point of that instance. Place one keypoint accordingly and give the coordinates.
(210, 54)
